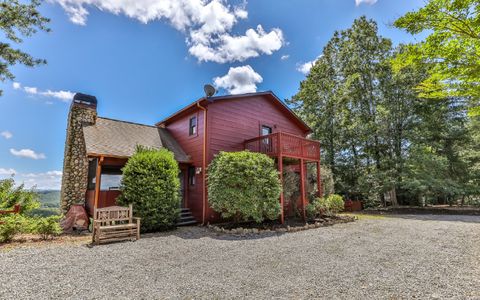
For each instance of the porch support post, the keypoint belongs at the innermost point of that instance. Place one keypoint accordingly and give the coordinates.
(98, 177)
(280, 170)
(319, 181)
(302, 187)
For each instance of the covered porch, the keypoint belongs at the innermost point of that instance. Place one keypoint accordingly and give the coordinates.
(104, 179)
(282, 145)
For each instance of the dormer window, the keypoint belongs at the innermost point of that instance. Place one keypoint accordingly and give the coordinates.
(192, 126)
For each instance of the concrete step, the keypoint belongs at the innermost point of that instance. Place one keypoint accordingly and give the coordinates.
(187, 223)
(186, 218)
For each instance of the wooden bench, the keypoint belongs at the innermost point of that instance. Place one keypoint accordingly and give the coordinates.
(115, 223)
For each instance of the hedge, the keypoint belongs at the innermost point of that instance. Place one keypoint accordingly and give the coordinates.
(244, 186)
(150, 183)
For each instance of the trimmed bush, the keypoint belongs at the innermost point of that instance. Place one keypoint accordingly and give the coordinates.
(47, 227)
(243, 186)
(150, 183)
(330, 205)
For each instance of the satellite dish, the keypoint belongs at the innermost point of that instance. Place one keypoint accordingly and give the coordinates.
(209, 90)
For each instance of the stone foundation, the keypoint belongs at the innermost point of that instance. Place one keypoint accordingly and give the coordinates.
(75, 161)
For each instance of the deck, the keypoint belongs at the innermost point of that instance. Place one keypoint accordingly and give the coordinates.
(281, 144)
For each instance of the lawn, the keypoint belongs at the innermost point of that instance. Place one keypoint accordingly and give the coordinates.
(400, 256)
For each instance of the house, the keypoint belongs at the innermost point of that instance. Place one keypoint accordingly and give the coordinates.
(97, 148)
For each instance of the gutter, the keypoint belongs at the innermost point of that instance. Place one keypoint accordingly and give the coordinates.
(204, 162)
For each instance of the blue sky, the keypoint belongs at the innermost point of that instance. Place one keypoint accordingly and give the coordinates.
(144, 60)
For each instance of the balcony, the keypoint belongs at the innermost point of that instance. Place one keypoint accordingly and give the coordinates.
(281, 144)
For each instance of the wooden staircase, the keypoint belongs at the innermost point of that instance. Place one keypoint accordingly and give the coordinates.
(186, 218)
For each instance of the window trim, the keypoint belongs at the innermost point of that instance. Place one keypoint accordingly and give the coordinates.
(190, 134)
(262, 125)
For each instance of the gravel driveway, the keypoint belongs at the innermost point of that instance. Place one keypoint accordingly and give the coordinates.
(376, 257)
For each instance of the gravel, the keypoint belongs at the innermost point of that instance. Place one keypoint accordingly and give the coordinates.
(401, 256)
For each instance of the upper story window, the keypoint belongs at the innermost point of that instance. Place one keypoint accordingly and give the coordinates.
(192, 126)
(266, 130)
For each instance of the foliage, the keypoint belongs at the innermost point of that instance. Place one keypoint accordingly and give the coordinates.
(49, 198)
(17, 18)
(150, 182)
(44, 212)
(47, 227)
(379, 137)
(335, 203)
(244, 185)
(329, 205)
(11, 195)
(451, 48)
(13, 225)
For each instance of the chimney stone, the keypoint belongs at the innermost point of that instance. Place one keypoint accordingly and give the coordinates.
(83, 112)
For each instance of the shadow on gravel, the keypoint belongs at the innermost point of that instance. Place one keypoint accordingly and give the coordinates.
(198, 232)
(448, 218)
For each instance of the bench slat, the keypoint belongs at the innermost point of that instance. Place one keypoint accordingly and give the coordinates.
(105, 231)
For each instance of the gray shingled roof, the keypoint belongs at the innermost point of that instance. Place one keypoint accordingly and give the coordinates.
(120, 138)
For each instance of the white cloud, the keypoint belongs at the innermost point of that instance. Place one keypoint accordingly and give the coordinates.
(7, 172)
(305, 67)
(239, 80)
(369, 2)
(208, 25)
(16, 85)
(27, 153)
(31, 90)
(285, 57)
(6, 134)
(64, 96)
(50, 180)
(239, 48)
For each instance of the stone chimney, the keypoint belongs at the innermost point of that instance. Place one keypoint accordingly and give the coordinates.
(83, 112)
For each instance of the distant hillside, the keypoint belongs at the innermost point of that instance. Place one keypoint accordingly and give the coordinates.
(49, 198)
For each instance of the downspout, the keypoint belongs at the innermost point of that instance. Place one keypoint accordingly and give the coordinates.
(204, 162)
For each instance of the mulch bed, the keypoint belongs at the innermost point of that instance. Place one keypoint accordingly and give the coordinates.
(30, 240)
(290, 225)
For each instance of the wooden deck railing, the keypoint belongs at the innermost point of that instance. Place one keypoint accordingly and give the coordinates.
(285, 144)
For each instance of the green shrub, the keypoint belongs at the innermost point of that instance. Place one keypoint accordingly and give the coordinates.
(47, 227)
(12, 225)
(244, 185)
(335, 203)
(330, 205)
(150, 183)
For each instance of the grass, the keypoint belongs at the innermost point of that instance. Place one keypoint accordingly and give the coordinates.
(365, 216)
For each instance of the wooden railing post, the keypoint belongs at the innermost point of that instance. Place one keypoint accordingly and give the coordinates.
(302, 188)
(280, 170)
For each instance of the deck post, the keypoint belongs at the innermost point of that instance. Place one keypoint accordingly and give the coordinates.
(98, 177)
(319, 180)
(280, 170)
(302, 188)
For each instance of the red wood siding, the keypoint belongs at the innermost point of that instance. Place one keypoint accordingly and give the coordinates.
(193, 146)
(231, 122)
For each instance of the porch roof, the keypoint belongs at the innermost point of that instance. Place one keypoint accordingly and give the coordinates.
(119, 139)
